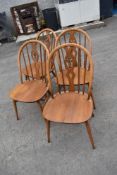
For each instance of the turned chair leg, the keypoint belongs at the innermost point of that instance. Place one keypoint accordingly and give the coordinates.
(15, 108)
(90, 134)
(47, 122)
(94, 106)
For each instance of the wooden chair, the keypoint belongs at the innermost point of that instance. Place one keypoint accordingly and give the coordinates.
(48, 37)
(32, 56)
(81, 37)
(78, 36)
(72, 104)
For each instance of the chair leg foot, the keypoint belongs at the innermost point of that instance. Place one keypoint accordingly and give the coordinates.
(94, 106)
(15, 108)
(90, 134)
(47, 122)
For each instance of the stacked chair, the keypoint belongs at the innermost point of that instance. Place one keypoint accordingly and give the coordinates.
(69, 58)
(48, 37)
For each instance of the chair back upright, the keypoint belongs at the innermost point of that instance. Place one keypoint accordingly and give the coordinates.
(32, 60)
(63, 58)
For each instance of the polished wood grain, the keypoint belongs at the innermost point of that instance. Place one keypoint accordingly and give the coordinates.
(69, 108)
(30, 89)
(71, 104)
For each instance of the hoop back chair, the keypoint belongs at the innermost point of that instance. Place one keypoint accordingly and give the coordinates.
(32, 60)
(78, 36)
(72, 104)
(30, 54)
(48, 37)
(81, 37)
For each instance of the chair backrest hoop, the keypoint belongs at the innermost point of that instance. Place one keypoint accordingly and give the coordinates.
(49, 38)
(31, 56)
(73, 40)
(55, 56)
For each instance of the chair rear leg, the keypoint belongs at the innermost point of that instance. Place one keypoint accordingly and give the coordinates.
(15, 108)
(94, 106)
(47, 122)
(90, 134)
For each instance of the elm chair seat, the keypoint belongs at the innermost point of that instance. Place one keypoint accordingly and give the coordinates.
(69, 108)
(30, 91)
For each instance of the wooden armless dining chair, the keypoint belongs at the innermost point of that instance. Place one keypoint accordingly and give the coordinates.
(81, 37)
(72, 104)
(32, 55)
(48, 37)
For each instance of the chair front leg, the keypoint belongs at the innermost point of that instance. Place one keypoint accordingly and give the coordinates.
(90, 134)
(15, 108)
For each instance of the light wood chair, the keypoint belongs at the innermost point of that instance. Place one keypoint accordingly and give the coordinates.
(81, 37)
(78, 36)
(48, 37)
(32, 55)
(70, 104)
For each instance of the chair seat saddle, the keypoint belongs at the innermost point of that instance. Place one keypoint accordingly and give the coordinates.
(69, 108)
(29, 91)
